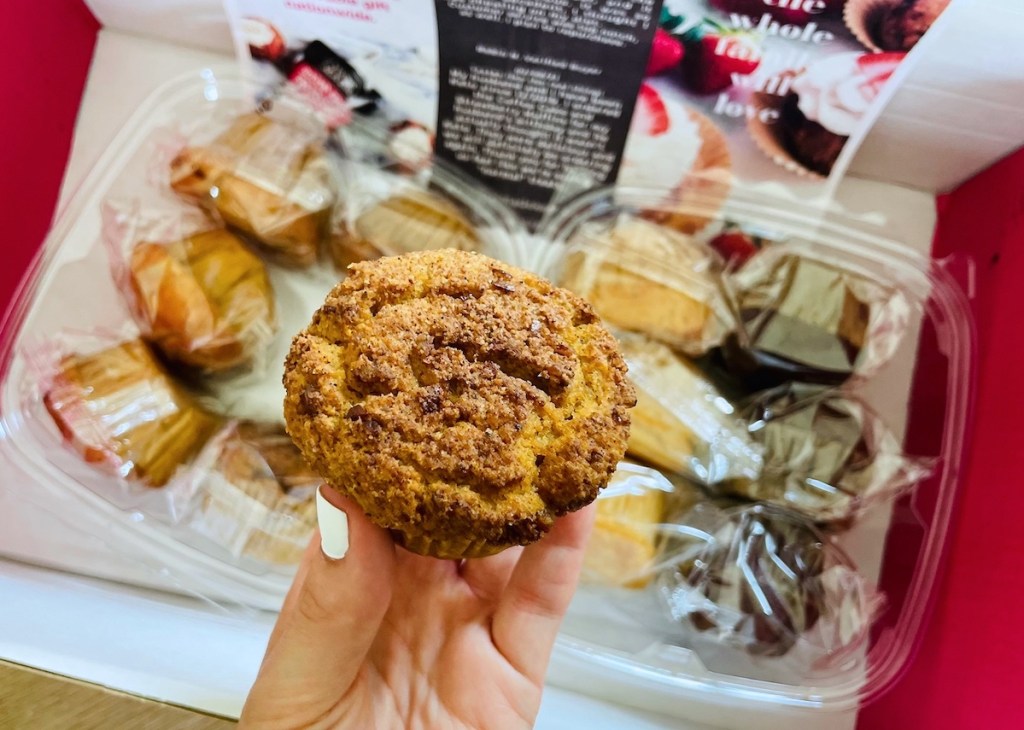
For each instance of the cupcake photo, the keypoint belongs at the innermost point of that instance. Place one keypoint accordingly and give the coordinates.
(826, 103)
(891, 25)
(679, 151)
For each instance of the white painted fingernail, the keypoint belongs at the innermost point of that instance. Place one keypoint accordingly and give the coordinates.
(333, 527)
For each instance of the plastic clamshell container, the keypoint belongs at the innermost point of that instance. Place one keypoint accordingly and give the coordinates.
(599, 652)
(606, 651)
(68, 301)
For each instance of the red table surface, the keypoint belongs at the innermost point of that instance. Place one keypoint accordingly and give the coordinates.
(41, 80)
(970, 667)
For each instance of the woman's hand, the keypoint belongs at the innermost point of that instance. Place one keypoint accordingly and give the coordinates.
(383, 638)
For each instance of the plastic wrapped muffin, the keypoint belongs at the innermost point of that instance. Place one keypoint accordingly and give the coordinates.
(809, 320)
(826, 455)
(121, 410)
(768, 583)
(463, 403)
(410, 220)
(623, 544)
(257, 498)
(643, 277)
(205, 301)
(631, 526)
(267, 179)
(681, 422)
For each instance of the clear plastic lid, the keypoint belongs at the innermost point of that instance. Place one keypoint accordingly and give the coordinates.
(142, 358)
(694, 290)
(774, 352)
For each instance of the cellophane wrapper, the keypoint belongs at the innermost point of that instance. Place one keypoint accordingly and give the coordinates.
(767, 582)
(193, 287)
(649, 279)
(825, 454)
(682, 423)
(255, 498)
(389, 206)
(269, 177)
(115, 405)
(805, 318)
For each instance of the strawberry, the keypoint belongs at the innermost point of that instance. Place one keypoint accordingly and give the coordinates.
(666, 53)
(878, 67)
(714, 53)
(734, 246)
(880, 64)
(650, 116)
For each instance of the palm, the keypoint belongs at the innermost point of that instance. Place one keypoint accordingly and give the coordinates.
(434, 643)
(459, 646)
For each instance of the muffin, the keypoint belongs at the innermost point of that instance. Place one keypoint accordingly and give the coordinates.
(681, 422)
(646, 278)
(827, 103)
(267, 179)
(630, 511)
(766, 581)
(122, 411)
(258, 497)
(205, 301)
(413, 220)
(462, 403)
(826, 455)
(892, 25)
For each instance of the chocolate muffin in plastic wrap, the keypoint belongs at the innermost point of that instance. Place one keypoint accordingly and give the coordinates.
(825, 454)
(768, 583)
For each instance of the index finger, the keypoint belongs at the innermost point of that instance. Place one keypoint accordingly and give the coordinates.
(531, 609)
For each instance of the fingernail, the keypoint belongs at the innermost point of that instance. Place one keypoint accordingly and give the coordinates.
(333, 527)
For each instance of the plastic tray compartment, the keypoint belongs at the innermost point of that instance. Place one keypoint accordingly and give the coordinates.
(613, 646)
(69, 296)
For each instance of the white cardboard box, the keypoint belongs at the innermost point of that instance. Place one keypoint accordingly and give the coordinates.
(183, 651)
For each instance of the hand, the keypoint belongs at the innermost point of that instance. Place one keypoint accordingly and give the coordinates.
(387, 639)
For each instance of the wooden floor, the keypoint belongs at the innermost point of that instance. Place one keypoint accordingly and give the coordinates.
(34, 700)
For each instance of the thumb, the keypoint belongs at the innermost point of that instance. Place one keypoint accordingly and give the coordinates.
(330, 616)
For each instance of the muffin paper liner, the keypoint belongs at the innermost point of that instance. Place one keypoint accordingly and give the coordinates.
(768, 136)
(860, 17)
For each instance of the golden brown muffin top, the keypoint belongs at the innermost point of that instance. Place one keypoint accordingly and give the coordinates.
(453, 395)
